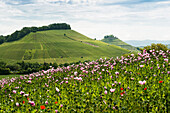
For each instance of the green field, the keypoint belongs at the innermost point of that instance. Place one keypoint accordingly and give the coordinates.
(57, 46)
(8, 76)
(118, 42)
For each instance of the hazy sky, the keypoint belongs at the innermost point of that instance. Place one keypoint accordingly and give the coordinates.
(126, 19)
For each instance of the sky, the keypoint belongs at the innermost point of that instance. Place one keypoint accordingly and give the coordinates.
(126, 19)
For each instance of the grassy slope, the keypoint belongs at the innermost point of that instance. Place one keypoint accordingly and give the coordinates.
(51, 45)
(118, 42)
(8, 76)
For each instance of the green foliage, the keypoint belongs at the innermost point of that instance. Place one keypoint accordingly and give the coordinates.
(4, 71)
(156, 47)
(110, 36)
(27, 67)
(2, 64)
(2, 39)
(14, 67)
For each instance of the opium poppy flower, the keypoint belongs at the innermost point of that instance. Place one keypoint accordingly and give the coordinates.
(23, 102)
(112, 90)
(105, 92)
(160, 81)
(27, 98)
(42, 107)
(56, 102)
(121, 88)
(145, 88)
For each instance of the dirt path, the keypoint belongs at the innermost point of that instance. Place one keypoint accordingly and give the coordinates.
(82, 42)
(90, 44)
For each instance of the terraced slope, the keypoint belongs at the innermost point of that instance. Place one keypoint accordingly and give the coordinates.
(57, 46)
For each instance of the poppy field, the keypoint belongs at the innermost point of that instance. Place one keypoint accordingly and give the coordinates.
(136, 83)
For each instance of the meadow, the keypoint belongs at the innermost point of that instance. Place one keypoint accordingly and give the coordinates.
(136, 83)
(9, 76)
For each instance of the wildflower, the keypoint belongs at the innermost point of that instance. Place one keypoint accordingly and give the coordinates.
(160, 81)
(26, 95)
(104, 101)
(66, 81)
(46, 102)
(121, 94)
(142, 82)
(61, 105)
(145, 88)
(32, 103)
(105, 92)
(75, 73)
(132, 55)
(23, 102)
(42, 107)
(115, 82)
(17, 104)
(21, 92)
(56, 111)
(141, 65)
(166, 60)
(29, 81)
(121, 88)
(116, 73)
(57, 89)
(112, 90)
(14, 91)
(56, 102)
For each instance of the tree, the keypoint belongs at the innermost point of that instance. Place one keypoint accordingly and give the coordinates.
(156, 47)
(110, 36)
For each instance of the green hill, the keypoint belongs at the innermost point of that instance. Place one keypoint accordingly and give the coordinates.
(110, 39)
(57, 46)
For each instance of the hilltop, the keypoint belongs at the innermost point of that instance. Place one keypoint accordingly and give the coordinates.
(57, 46)
(111, 39)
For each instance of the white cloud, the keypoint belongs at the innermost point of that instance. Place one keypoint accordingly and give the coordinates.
(91, 17)
(163, 2)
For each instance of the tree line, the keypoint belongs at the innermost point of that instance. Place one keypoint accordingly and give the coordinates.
(110, 36)
(26, 30)
(27, 67)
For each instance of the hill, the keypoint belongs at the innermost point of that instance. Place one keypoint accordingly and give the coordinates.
(110, 39)
(143, 43)
(26, 30)
(57, 46)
